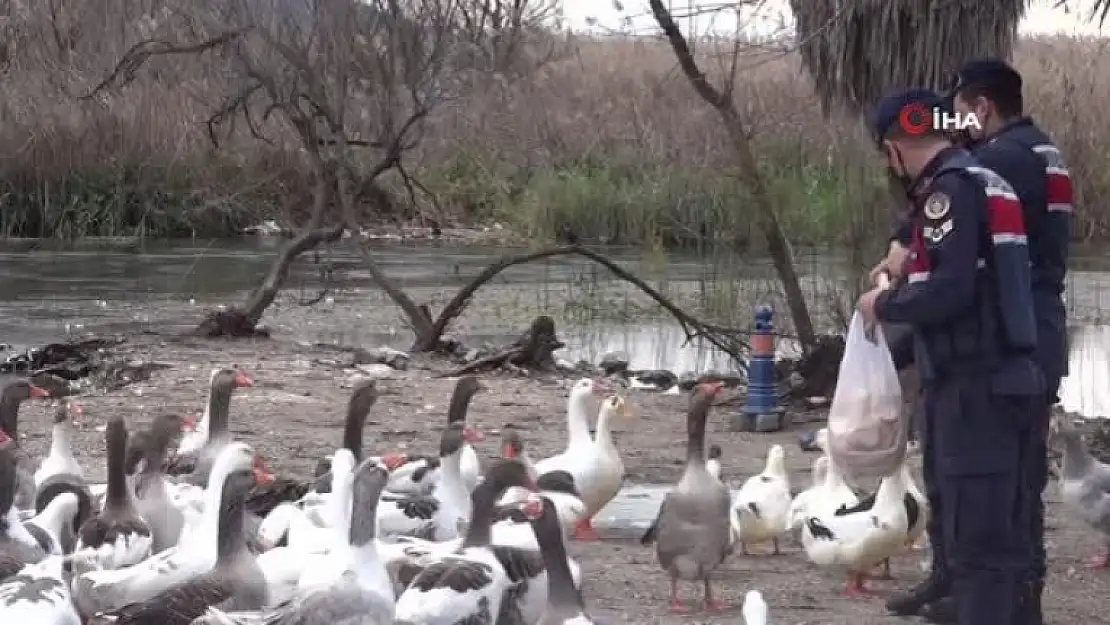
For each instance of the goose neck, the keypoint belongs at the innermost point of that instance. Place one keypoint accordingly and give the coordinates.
(578, 425)
(9, 416)
(891, 490)
(61, 440)
(229, 533)
(604, 436)
(561, 590)
(219, 406)
(484, 500)
(117, 465)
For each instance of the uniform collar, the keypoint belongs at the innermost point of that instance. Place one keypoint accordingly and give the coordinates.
(1014, 124)
(925, 178)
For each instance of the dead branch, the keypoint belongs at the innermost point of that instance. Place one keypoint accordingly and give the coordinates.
(533, 350)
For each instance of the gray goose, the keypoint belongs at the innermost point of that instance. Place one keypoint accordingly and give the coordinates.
(18, 547)
(235, 583)
(117, 536)
(145, 462)
(564, 600)
(11, 398)
(692, 530)
(198, 464)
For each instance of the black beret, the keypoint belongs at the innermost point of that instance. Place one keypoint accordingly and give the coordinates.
(993, 76)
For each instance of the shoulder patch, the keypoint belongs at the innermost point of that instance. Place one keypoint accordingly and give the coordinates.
(937, 206)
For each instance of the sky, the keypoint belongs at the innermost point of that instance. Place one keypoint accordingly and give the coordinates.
(1041, 18)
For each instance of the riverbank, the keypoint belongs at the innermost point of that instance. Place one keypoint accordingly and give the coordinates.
(293, 415)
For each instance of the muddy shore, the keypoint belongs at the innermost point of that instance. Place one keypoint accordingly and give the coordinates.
(293, 415)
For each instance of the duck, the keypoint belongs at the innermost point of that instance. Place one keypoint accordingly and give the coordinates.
(234, 583)
(194, 555)
(263, 499)
(693, 533)
(361, 591)
(762, 505)
(38, 595)
(713, 461)
(558, 486)
(436, 516)
(11, 398)
(754, 611)
(859, 538)
(833, 494)
(18, 547)
(165, 514)
(471, 584)
(1084, 484)
(60, 459)
(800, 503)
(198, 449)
(116, 537)
(917, 512)
(596, 466)
(418, 474)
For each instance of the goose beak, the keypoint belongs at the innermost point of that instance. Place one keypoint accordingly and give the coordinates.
(38, 392)
(532, 507)
(242, 380)
(394, 460)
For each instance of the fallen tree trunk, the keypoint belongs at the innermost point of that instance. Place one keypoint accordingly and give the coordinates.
(533, 350)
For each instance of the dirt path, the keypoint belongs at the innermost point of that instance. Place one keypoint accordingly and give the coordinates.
(293, 415)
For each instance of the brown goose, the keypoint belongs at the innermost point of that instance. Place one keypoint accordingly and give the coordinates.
(417, 474)
(692, 530)
(17, 546)
(118, 536)
(235, 583)
(564, 600)
(11, 398)
(146, 458)
(198, 449)
(263, 498)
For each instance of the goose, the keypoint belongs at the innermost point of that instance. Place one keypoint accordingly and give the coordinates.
(799, 505)
(194, 555)
(858, 539)
(264, 498)
(18, 547)
(165, 515)
(713, 463)
(833, 494)
(597, 467)
(235, 583)
(13, 395)
(118, 536)
(53, 524)
(693, 534)
(153, 442)
(470, 584)
(558, 486)
(564, 604)
(762, 505)
(199, 448)
(303, 561)
(917, 512)
(436, 516)
(38, 595)
(755, 610)
(361, 592)
(60, 459)
(417, 475)
(1084, 484)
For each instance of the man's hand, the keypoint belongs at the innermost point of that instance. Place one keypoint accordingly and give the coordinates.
(894, 263)
(866, 306)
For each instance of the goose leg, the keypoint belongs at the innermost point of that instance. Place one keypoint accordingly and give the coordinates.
(584, 530)
(775, 542)
(711, 604)
(676, 603)
(855, 588)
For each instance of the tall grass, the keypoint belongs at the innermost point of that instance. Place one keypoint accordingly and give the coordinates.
(608, 142)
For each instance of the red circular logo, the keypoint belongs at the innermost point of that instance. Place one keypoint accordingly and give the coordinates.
(914, 118)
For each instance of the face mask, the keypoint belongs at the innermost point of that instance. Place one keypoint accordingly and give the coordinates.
(898, 174)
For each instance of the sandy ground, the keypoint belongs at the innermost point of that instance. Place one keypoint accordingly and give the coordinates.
(293, 415)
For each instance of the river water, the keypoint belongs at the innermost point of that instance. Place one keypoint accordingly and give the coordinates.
(47, 295)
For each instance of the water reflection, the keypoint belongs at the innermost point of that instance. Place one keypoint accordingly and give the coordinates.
(1086, 390)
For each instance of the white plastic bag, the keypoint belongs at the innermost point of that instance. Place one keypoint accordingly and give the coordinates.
(867, 428)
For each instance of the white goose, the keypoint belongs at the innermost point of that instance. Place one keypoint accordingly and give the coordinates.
(469, 585)
(860, 538)
(418, 475)
(438, 516)
(596, 467)
(800, 505)
(194, 555)
(360, 589)
(53, 527)
(60, 460)
(193, 440)
(38, 595)
(761, 507)
(557, 486)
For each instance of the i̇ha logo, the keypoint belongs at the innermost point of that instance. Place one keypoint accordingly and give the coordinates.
(915, 119)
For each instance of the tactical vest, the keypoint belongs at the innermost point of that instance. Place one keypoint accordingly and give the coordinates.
(1001, 324)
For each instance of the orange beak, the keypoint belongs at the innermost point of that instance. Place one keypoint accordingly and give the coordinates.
(76, 412)
(472, 435)
(508, 451)
(261, 474)
(394, 460)
(38, 392)
(188, 424)
(242, 380)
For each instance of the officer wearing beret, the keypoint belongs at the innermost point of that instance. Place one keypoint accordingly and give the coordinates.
(968, 296)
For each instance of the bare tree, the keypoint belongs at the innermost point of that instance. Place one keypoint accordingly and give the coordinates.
(748, 169)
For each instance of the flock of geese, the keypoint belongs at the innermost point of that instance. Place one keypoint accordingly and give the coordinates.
(207, 535)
